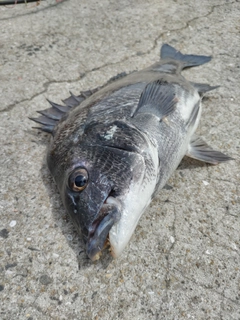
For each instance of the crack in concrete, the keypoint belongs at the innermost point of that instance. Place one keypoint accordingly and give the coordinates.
(188, 24)
(36, 12)
(223, 180)
(167, 278)
(10, 107)
(211, 11)
(46, 86)
(155, 44)
(216, 242)
(54, 5)
(211, 288)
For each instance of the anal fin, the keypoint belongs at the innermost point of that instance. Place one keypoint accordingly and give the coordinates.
(200, 150)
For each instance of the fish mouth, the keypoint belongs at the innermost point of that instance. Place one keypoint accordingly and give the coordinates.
(109, 214)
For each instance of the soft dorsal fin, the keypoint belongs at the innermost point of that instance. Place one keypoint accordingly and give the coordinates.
(200, 150)
(203, 87)
(157, 98)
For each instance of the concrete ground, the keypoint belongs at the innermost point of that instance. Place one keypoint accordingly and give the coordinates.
(183, 261)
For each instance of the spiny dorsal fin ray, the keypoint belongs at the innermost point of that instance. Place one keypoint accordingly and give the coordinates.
(63, 109)
(74, 101)
(200, 150)
(48, 129)
(52, 113)
(44, 120)
(157, 98)
(50, 117)
(57, 112)
(188, 60)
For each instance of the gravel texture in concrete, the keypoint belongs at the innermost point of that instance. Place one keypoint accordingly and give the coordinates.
(184, 258)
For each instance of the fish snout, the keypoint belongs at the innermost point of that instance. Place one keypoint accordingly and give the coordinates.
(109, 214)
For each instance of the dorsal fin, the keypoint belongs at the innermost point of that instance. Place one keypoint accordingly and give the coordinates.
(50, 117)
(157, 98)
(203, 87)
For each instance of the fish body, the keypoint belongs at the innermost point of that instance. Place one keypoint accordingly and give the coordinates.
(115, 147)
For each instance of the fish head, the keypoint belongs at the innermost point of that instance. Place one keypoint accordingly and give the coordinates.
(99, 186)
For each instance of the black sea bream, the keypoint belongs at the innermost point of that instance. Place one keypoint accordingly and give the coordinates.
(113, 148)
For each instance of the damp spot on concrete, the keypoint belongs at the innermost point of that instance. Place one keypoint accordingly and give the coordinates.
(4, 233)
(45, 279)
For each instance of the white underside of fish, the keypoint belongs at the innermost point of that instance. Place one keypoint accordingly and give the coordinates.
(134, 202)
(139, 196)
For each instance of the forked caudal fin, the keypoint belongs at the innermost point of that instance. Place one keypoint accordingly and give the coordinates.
(188, 60)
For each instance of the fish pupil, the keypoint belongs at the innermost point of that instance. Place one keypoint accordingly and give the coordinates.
(80, 181)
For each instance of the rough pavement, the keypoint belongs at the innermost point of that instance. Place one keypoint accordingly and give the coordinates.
(184, 258)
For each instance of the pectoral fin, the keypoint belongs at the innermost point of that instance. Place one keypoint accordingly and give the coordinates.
(200, 150)
(157, 98)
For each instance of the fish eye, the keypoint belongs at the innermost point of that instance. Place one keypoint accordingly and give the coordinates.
(78, 179)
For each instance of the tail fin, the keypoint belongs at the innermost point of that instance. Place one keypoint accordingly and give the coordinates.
(188, 60)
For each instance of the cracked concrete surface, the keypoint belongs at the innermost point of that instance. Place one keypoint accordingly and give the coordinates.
(183, 260)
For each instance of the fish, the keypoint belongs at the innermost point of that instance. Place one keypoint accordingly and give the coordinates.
(113, 148)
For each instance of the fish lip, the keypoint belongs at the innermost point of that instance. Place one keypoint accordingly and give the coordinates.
(109, 214)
